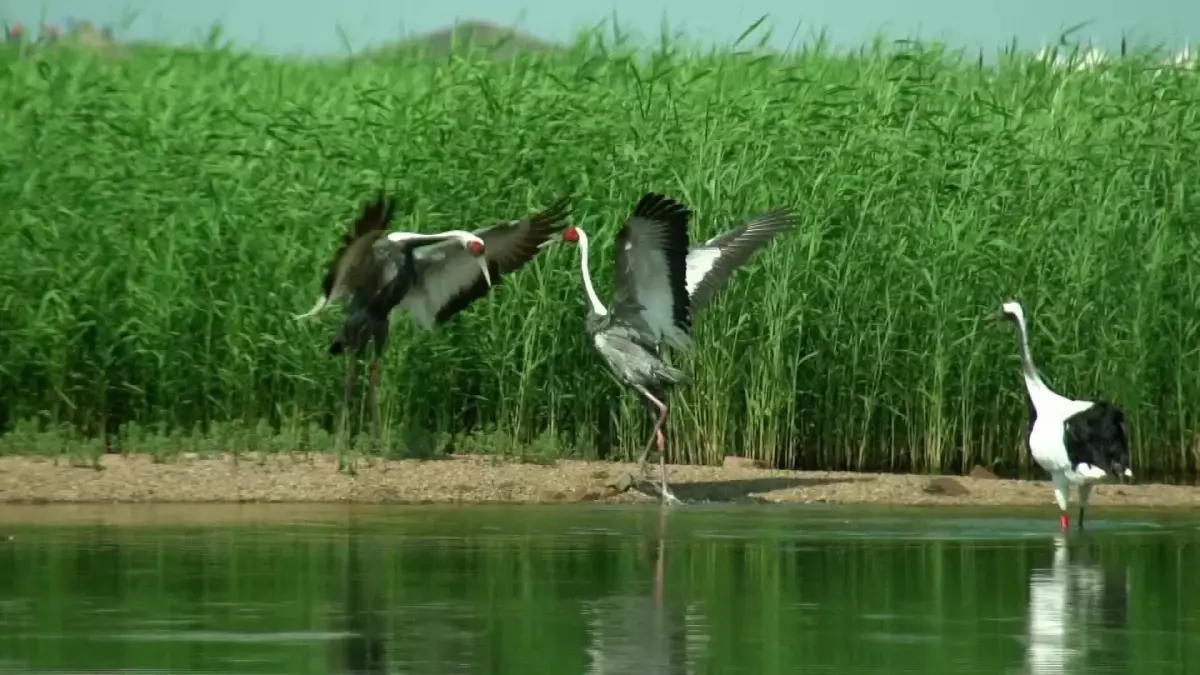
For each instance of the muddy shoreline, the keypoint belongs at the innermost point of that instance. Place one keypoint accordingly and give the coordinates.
(474, 479)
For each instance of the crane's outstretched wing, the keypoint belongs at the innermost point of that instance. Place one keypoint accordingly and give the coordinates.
(344, 272)
(650, 270)
(710, 265)
(450, 277)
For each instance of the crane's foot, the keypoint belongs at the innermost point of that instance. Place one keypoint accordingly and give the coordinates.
(669, 497)
(664, 492)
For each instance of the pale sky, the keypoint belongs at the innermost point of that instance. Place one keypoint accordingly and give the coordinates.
(310, 26)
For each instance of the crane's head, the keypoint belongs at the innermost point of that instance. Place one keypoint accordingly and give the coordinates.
(570, 235)
(1011, 311)
(471, 242)
(475, 246)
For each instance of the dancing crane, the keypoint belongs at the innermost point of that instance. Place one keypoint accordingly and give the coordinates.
(1077, 442)
(656, 303)
(433, 276)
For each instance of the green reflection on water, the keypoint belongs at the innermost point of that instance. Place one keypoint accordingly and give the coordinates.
(558, 590)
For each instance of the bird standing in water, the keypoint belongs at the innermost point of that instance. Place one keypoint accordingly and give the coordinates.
(1077, 442)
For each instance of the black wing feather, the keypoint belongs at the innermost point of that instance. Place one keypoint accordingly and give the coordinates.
(355, 245)
(507, 248)
(660, 209)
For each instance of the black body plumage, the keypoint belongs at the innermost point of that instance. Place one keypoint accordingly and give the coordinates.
(1097, 436)
(381, 276)
(367, 313)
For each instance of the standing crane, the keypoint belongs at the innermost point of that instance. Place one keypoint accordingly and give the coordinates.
(433, 276)
(650, 308)
(1077, 442)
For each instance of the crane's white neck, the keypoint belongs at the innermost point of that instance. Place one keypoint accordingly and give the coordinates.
(461, 235)
(1032, 381)
(597, 306)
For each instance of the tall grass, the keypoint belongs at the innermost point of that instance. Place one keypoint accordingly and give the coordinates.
(165, 214)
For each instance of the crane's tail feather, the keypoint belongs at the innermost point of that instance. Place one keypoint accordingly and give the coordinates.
(320, 305)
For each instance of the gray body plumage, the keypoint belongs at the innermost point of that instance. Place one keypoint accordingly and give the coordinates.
(649, 303)
(632, 355)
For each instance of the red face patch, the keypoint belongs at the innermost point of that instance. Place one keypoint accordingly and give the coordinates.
(570, 234)
(475, 247)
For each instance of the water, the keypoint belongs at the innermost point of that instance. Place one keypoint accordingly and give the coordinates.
(597, 589)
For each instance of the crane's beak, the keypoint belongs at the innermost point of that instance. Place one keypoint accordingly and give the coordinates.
(321, 303)
(487, 274)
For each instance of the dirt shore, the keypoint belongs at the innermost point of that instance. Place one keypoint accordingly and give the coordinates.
(466, 479)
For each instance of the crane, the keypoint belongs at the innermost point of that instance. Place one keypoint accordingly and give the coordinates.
(1077, 442)
(433, 276)
(649, 308)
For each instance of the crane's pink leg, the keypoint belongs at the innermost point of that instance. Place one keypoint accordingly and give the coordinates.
(658, 437)
(1060, 496)
(656, 440)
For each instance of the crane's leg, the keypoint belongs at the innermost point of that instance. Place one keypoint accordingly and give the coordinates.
(658, 408)
(348, 390)
(656, 440)
(372, 385)
(1061, 496)
(1085, 491)
(667, 495)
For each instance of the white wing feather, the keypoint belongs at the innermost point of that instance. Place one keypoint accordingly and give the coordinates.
(700, 262)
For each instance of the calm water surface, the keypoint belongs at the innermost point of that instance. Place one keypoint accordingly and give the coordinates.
(612, 590)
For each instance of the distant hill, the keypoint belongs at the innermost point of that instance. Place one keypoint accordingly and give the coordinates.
(500, 42)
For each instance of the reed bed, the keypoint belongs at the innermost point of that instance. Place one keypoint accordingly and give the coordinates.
(167, 212)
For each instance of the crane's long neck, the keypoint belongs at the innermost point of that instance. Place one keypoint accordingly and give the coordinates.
(598, 307)
(1033, 382)
(415, 237)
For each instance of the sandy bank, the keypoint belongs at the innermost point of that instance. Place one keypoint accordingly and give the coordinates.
(315, 478)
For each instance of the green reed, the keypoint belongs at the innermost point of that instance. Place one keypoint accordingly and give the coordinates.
(168, 212)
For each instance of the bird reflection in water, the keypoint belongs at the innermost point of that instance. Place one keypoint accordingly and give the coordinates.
(363, 649)
(646, 634)
(1078, 615)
